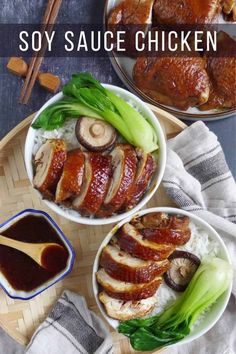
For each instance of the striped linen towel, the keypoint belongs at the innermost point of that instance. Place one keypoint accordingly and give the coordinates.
(197, 179)
(71, 328)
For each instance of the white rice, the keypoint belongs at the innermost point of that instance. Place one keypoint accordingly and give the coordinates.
(67, 132)
(200, 244)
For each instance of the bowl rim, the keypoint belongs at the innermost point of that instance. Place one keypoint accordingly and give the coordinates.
(226, 113)
(53, 280)
(168, 210)
(156, 183)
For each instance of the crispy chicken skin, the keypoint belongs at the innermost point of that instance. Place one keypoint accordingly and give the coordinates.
(122, 266)
(131, 16)
(93, 183)
(132, 263)
(186, 11)
(164, 229)
(229, 7)
(131, 12)
(130, 240)
(222, 73)
(126, 310)
(49, 161)
(124, 290)
(124, 163)
(175, 81)
(96, 182)
(71, 180)
(145, 169)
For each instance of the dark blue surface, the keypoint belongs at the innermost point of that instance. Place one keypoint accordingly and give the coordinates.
(74, 11)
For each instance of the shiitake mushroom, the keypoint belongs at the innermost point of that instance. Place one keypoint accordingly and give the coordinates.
(95, 134)
(183, 266)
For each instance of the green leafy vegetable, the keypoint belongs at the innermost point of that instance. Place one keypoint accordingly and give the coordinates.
(55, 115)
(87, 97)
(210, 281)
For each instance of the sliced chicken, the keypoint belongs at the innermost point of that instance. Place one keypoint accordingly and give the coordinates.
(145, 169)
(127, 291)
(124, 162)
(122, 266)
(163, 220)
(151, 220)
(95, 184)
(164, 229)
(49, 162)
(130, 240)
(127, 310)
(183, 12)
(166, 236)
(72, 177)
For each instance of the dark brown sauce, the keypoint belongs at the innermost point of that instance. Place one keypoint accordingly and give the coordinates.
(54, 258)
(20, 270)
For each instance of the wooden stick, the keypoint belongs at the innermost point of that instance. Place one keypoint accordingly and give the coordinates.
(49, 19)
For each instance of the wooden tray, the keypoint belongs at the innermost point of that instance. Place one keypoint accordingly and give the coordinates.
(20, 318)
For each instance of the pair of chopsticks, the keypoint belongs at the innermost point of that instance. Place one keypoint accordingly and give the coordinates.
(49, 18)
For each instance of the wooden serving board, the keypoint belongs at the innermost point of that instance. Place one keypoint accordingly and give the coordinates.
(20, 318)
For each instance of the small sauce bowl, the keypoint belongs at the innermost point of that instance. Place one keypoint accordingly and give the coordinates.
(28, 294)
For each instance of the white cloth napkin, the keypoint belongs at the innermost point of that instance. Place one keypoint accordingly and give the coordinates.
(198, 179)
(71, 328)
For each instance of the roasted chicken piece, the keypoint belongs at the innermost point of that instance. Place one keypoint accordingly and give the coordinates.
(179, 81)
(127, 291)
(122, 266)
(95, 183)
(229, 8)
(130, 240)
(72, 176)
(48, 163)
(186, 11)
(130, 16)
(124, 162)
(145, 168)
(132, 12)
(161, 219)
(164, 229)
(221, 68)
(127, 310)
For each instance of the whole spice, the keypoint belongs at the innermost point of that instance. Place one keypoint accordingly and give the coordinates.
(19, 67)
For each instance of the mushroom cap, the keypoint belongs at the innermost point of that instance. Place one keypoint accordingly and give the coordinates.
(95, 134)
(183, 266)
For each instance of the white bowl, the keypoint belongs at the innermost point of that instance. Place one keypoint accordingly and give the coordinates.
(26, 295)
(156, 180)
(214, 314)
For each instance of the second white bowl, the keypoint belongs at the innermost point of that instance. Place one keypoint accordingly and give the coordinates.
(214, 313)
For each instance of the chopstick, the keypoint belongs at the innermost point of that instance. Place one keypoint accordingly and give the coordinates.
(49, 18)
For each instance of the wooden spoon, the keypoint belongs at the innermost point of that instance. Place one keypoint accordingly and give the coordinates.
(50, 256)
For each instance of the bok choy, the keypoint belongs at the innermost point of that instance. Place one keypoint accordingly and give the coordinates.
(85, 96)
(210, 281)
